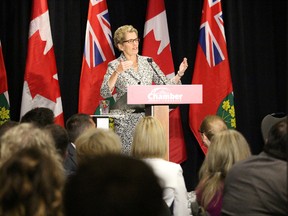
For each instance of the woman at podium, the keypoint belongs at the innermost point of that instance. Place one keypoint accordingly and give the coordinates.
(130, 68)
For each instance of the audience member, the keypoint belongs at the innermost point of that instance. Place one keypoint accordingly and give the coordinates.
(258, 185)
(31, 184)
(40, 116)
(75, 126)
(268, 121)
(211, 125)
(97, 141)
(60, 137)
(149, 144)
(113, 185)
(6, 126)
(27, 135)
(227, 147)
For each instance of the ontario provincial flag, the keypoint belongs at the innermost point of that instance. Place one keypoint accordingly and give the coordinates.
(41, 86)
(98, 51)
(4, 97)
(212, 71)
(157, 45)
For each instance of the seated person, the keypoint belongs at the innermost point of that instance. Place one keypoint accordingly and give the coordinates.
(258, 185)
(40, 116)
(97, 141)
(27, 135)
(60, 137)
(31, 184)
(150, 145)
(211, 125)
(75, 126)
(113, 185)
(227, 147)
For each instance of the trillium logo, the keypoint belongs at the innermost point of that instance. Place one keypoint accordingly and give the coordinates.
(163, 95)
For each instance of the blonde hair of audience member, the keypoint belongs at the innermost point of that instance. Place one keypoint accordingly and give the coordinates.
(27, 135)
(97, 141)
(227, 147)
(31, 184)
(152, 146)
(211, 125)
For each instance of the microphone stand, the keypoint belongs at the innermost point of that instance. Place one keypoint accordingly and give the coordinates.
(150, 62)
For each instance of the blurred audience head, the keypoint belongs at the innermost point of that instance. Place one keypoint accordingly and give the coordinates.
(60, 136)
(211, 125)
(7, 125)
(268, 121)
(40, 116)
(31, 184)
(277, 140)
(97, 141)
(77, 124)
(149, 139)
(27, 135)
(113, 185)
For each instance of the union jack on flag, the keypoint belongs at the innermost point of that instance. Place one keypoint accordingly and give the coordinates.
(93, 51)
(211, 46)
(98, 51)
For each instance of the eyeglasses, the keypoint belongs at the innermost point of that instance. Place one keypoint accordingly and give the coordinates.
(130, 41)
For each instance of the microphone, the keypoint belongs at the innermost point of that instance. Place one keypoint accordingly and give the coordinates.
(150, 62)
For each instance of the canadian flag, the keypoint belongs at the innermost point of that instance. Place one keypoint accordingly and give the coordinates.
(41, 87)
(157, 45)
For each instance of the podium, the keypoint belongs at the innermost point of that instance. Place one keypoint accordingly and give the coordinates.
(157, 99)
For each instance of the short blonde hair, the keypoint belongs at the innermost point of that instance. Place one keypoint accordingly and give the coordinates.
(226, 148)
(119, 34)
(97, 141)
(149, 140)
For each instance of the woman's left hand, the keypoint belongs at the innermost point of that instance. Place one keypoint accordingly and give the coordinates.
(183, 66)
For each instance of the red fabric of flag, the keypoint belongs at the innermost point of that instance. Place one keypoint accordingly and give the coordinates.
(212, 71)
(98, 51)
(157, 45)
(4, 97)
(41, 86)
(3, 77)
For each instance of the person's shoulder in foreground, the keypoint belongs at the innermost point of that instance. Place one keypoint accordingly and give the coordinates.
(258, 185)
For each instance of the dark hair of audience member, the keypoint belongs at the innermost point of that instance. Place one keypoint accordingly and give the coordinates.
(40, 116)
(277, 141)
(78, 123)
(113, 185)
(60, 137)
(31, 184)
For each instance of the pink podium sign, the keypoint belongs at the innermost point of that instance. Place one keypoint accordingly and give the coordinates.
(164, 94)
